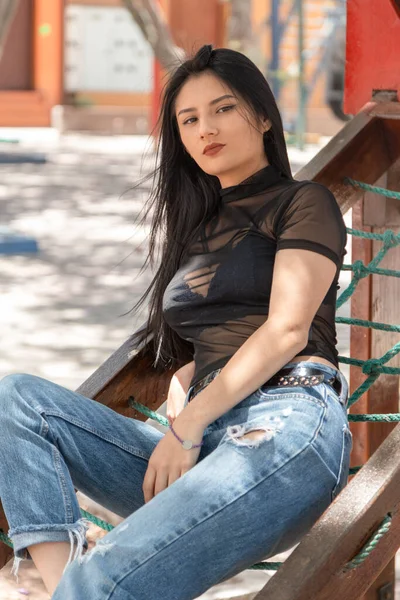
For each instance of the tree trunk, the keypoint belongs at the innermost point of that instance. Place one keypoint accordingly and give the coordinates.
(8, 8)
(241, 35)
(240, 32)
(150, 18)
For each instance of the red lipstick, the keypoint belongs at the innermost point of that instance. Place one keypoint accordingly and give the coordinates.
(212, 149)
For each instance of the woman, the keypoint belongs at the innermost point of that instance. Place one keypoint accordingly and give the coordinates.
(259, 443)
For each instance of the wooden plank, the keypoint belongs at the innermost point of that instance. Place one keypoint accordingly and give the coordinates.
(360, 338)
(385, 308)
(315, 569)
(364, 150)
(378, 302)
(128, 372)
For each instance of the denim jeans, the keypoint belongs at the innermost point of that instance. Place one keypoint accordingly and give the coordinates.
(244, 500)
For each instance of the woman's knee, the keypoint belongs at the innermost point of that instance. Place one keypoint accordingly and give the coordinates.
(15, 386)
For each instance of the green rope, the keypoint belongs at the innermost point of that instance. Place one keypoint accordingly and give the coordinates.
(99, 522)
(371, 236)
(359, 363)
(5, 539)
(373, 188)
(352, 564)
(354, 470)
(378, 418)
(371, 324)
(390, 240)
(373, 270)
(147, 411)
(371, 544)
(372, 367)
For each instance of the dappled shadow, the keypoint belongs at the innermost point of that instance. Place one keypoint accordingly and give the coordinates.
(61, 309)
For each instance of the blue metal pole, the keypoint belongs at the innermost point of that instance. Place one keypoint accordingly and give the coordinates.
(301, 114)
(275, 39)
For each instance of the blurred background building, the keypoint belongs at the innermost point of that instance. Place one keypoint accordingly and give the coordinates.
(86, 64)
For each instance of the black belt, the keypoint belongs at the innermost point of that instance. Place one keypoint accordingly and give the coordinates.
(287, 376)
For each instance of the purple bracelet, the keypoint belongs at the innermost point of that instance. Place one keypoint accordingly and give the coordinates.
(187, 444)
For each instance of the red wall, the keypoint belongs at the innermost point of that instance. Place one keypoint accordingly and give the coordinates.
(372, 51)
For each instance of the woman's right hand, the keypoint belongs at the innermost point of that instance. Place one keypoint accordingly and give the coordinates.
(178, 389)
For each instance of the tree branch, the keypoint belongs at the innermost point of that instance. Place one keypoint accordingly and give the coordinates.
(150, 18)
(240, 31)
(8, 8)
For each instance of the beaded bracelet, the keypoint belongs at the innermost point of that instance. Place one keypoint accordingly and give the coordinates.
(187, 444)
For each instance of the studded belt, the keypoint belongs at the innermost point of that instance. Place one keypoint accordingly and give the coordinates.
(287, 376)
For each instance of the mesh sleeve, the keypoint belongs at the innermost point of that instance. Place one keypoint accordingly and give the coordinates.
(312, 221)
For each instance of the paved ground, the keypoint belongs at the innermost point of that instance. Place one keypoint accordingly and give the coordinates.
(62, 310)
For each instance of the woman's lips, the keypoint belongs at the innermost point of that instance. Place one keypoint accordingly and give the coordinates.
(214, 150)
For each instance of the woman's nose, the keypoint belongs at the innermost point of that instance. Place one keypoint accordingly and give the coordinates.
(207, 128)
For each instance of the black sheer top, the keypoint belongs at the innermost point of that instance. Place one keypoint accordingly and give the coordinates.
(220, 294)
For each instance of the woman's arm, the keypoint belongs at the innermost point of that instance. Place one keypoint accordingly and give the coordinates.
(184, 375)
(178, 388)
(301, 280)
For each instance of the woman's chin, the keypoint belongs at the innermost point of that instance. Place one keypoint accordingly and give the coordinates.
(216, 170)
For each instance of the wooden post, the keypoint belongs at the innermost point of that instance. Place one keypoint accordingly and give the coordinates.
(48, 44)
(376, 300)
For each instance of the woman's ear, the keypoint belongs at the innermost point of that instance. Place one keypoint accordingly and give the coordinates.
(266, 125)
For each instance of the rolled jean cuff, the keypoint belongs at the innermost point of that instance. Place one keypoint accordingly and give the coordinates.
(22, 540)
(22, 537)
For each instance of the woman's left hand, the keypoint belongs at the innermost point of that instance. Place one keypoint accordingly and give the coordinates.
(169, 459)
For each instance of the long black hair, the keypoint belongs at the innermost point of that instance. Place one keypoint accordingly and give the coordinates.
(184, 196)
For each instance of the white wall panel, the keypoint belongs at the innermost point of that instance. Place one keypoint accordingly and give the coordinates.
(105, 51)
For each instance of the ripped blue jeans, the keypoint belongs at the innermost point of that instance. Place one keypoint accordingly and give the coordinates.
(246, 499)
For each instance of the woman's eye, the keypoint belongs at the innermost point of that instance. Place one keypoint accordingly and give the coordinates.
(223, 108)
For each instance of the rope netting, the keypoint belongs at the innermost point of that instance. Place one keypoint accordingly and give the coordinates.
(373, 367)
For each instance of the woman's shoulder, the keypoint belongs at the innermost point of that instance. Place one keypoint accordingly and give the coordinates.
(307, 193)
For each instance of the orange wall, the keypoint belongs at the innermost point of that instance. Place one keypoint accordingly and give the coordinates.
(28, 108)
(194, 23)
(48, 24)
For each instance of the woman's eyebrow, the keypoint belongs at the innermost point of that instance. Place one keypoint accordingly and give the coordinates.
(211, 103)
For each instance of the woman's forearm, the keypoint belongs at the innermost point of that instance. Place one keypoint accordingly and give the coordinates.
(266, 351)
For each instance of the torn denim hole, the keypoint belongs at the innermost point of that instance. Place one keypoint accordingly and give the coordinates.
(78, 533)
(103, 547)
(100, 548)
(252, 437)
